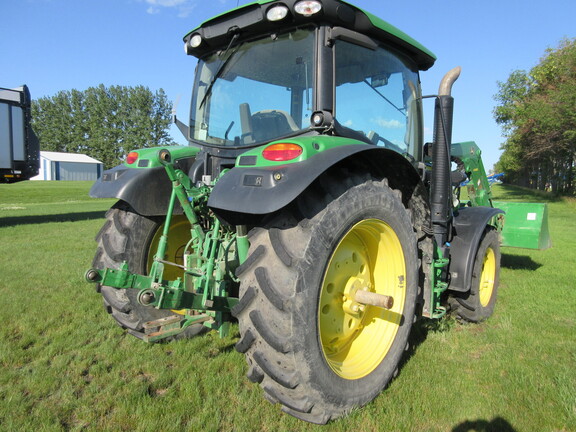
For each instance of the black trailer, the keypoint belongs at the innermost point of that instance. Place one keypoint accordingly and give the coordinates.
(19, 147)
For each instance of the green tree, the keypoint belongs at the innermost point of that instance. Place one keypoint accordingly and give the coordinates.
(537, 111)
(103, 122)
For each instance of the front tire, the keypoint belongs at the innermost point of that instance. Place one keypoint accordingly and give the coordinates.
(478, 304)
(312, 348)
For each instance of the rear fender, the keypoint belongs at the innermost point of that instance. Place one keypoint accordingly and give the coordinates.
(246, 192)
(468, 227)
(147, 191)
(146, 187)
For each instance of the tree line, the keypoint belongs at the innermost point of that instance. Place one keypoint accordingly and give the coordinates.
(102, 122)
(537, 111)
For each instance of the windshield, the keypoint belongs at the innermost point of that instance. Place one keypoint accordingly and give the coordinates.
(377, 93)
(254, 92)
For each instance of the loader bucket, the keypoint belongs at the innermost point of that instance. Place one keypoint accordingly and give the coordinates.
(525, 225)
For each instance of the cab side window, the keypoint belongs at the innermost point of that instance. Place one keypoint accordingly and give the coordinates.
(377, 93)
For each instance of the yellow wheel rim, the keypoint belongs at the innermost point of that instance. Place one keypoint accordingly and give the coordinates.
(355, 337)
(487, 277)
(178, 237)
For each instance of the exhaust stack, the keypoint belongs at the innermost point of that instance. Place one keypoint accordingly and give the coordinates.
(441, 186)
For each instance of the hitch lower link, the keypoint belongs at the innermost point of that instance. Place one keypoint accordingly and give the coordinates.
(166, 295)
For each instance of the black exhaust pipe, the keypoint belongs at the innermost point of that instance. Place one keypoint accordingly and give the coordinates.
(441, 199)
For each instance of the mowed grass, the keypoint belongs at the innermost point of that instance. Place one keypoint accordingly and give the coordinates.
(65, 365)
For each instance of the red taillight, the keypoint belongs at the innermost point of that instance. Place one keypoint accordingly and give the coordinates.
(131, 158)
(282, 152)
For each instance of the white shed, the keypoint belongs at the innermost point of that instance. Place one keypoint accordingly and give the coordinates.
(68, 166)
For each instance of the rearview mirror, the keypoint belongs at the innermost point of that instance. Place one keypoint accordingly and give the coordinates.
(379, 80)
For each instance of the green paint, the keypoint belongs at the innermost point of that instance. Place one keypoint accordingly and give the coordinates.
(311, 146)
(168, 295)
(478, 187)
(525, 225)
(439, 266)
(150, 154)
(157, 269)
(209, 260)
(242, 245)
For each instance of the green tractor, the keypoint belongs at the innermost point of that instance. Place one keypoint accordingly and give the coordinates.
(306, 207)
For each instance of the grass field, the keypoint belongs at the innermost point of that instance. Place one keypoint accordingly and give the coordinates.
(65, 365)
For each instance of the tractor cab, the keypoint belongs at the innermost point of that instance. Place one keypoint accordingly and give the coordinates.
(274, 71)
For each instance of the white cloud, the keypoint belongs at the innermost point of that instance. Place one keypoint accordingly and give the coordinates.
(389, 124)
(182, 7)
(348, 123)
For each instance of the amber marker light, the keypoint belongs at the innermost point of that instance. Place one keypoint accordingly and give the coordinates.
(282, 152)
(131, 158)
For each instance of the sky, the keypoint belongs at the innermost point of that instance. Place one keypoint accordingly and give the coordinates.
(53, 45)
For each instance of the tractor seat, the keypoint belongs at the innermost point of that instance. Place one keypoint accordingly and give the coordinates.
(270, 124)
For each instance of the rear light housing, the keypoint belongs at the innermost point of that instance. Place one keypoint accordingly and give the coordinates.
(282, 152)
(131, 158)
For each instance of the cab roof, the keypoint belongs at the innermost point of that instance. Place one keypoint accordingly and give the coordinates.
(250, 20)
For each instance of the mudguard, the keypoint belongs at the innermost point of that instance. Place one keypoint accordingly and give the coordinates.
(468, 227)
(263, 190)
(146, 187)
(146, 190)
(144, 184)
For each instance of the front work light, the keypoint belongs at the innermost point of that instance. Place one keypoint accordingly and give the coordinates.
(282, 152)
(277, 13)
(308, 7)
(195, 41)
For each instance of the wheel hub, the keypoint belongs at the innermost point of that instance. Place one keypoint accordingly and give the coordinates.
(350, 305)
(355, 335)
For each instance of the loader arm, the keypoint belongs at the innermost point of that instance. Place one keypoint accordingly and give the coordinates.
(468, 156)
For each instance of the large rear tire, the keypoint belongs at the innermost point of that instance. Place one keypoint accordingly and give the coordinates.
(312, 348)
(478, 304)
(128, 236)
